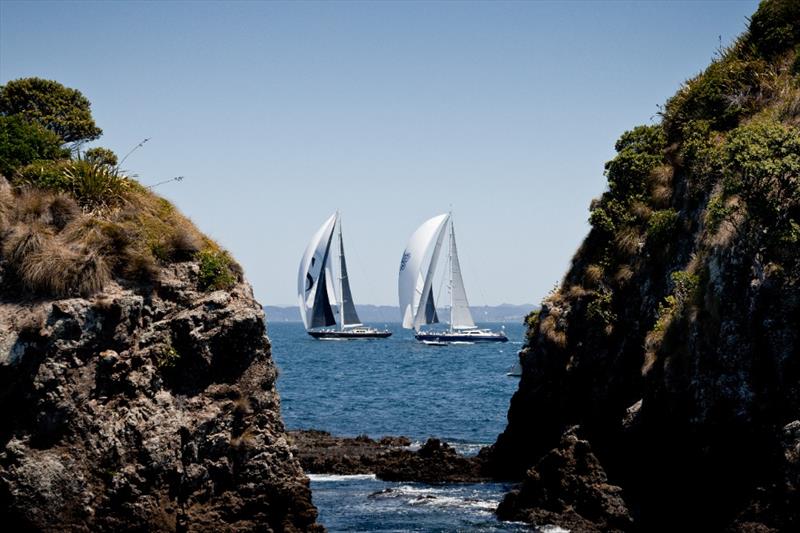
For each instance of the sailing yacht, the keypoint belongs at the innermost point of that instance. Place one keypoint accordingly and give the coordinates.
(318, 291)
(417, 305)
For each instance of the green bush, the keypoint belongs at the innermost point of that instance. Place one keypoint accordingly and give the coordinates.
(639, 152)
(44, 175)
(600, 309)
(685, 291)
(662, 226)
(716, 212)
(775, 27)
(101, 156)
(600, 220)
(763, 162)
(795, 69)
(22, 143)
(702, 156)
(215, 270)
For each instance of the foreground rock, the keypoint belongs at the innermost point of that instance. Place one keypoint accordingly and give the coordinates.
(147, 409)
(389, 458)
(568, 487)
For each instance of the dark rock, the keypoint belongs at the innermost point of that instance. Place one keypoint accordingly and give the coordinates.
(388, 458)
(139, 411)
(568, 488)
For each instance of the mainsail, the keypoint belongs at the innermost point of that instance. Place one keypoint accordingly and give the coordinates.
(347, 309)
(415, 279)
(460, 316)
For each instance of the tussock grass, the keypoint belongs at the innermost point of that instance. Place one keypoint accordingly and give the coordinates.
(593, 275)
(73, 243)
(627, 240)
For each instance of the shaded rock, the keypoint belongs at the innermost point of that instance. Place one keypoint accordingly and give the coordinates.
(144, 409)
(388, 458)
(568, 488)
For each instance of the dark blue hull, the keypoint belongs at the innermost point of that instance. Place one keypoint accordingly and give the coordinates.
(460, 337)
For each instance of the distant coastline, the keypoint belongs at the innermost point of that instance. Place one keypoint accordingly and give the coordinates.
(390, 313)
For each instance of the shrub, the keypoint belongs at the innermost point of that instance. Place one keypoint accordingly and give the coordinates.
(662, 226)
(774, 27)
(167, 357)
(716, 211)
(215, 270)
(101, 156)
(600, 309)
(22, 143)
(639, 152)
(600, 220)
(763, 162)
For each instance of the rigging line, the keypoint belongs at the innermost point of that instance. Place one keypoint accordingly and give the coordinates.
(368, 282)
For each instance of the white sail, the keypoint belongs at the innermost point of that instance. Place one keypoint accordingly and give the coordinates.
(460, 316)
(415, 279)
(310, 273)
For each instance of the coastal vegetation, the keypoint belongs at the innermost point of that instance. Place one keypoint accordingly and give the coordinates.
(70, 219)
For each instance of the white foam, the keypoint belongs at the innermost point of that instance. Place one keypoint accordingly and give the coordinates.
(552, 529)
(337, 477)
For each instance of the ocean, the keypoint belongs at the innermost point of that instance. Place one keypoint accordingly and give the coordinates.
(396, 386)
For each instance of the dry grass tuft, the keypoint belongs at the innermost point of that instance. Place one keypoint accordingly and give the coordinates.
(593, 275)
(551, 331)
(623, 275)
(641, 211)
(628, 240)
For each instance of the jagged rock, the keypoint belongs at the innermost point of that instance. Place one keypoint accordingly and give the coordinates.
(568, 488)
(148, 409)
(389, 458)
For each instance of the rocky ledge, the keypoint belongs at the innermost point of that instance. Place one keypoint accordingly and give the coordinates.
(389, 458)
(146, 408)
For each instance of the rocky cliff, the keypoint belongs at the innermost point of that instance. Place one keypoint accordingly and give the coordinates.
(145, 404)
(673, 340)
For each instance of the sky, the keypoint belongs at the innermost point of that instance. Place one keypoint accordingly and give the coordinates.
(277, 114)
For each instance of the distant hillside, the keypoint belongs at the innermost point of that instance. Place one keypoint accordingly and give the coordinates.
(389, 313)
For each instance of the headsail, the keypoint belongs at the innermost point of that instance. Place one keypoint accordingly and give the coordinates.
(460, 316)
(312, 283)
(415, 279)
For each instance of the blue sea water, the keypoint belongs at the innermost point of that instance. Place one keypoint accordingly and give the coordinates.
(396, 386)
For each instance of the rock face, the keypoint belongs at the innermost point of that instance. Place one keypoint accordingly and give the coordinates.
(389, 458)
(673, 340)
(568, 487)
(146, 408)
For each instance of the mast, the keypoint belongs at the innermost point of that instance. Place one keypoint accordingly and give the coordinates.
(341, 274)
(450, 259)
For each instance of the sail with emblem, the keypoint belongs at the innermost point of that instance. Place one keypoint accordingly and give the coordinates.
(416, 274)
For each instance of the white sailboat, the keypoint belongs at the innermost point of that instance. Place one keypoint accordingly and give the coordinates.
(417, 306)
(321, 296)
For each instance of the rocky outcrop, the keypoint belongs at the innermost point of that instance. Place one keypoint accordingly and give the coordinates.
(673, 339)
(568, 487)
(389, 458)
(144, 408)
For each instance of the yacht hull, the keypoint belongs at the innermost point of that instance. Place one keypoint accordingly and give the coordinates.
(460, 337)
(346, 335)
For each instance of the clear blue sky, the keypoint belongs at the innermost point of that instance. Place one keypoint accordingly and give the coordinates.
(279, 113)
